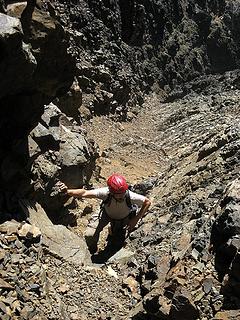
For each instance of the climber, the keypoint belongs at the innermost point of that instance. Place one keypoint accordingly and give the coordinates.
(120, 207)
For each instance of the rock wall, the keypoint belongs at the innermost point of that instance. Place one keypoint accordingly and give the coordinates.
(109, 54)
(36, 69)
(187, 261)
(125, 48)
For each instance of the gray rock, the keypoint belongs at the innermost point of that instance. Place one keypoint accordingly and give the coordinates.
(11, 36)
(122, 256)
(9, 25)
(228, 222)
(73, 148)
(33, 211)
(57, 239)
(65, 154)
(182, 308)
(64, 244)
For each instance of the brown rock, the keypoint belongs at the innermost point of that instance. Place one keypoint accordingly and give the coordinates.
(29, 231)
(227, 315)
(63, 288)
(9, 227)
(5, 285)
(163, 267)
(11, 238)
(2, 254)
(131, 284)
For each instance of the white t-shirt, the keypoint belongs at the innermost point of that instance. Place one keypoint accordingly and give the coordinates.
(118, 209)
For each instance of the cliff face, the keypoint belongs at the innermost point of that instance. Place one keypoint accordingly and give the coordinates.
(116, 50)
(35, 69)
(124, 48)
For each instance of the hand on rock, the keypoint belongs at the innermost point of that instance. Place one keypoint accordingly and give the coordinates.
(61, 187)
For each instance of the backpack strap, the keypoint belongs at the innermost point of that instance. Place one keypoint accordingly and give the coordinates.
(128, 200)
(108, 200)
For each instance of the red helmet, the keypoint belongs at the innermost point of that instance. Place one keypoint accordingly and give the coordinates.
(117, 183)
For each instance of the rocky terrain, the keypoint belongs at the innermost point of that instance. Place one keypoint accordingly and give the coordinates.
(149, 89)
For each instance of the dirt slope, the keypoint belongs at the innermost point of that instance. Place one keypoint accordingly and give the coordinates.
(131, 148)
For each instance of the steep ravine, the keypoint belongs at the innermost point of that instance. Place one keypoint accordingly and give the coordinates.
(149, 89)
(168, 269)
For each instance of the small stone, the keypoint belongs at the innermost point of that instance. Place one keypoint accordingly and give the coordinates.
(5, 285)
(18, 244)
(195, 254)
(11, 238)
(72, 309)
(111, 272)
(151, 262)
(228, 314)
(200, 294)
(16, 305)
(26, 311)
(120, 126)
(105, 153)
(63, 288)
(123, 255)
(29, 231)
(199, 266)
(22, 295)
(88, 209)
(2, 254)
(3, 307)
(207, 285)
(131, 283)
(35, 269)
(34, 287)
(15, 258)
(130, 116)
(9, 227)
(74, 316)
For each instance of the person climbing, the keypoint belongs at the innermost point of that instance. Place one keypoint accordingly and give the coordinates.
(120, 207)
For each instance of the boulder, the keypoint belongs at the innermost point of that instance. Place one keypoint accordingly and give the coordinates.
(65, 154)
(183, 308)
(14, 53)
(9, 227)
(64, 244)
(57, 239)
(227, 223)
(32, 75)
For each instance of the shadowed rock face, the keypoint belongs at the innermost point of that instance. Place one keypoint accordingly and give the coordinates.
(122, 48)
(32, 74)
(34, 71)
(225, 237)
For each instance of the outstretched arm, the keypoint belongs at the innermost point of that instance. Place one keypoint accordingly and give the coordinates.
(145, 206)
(77, 193)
